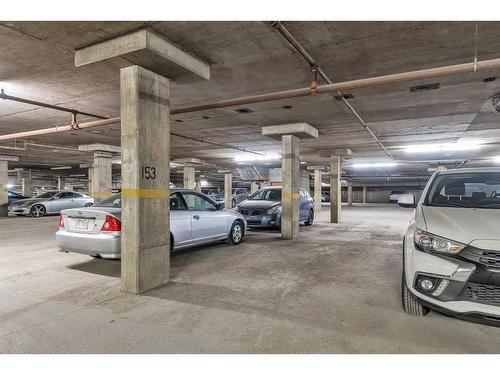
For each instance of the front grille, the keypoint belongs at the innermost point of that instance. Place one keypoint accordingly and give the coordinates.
(251, 213)
(489, 258)
(481, 293)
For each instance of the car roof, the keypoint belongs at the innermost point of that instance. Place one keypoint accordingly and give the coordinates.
(470, 170)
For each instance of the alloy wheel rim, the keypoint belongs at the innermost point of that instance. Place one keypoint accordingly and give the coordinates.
(237, 233)
(38, 211)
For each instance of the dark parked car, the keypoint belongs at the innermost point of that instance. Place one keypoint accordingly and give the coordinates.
(239, 195)
(14, 196)
(263, 208)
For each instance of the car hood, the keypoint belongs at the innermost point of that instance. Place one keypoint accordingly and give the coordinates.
(464, 225)
(258, 204)
(28, 201)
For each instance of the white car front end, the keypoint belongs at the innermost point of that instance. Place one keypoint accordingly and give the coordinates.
(452, 256)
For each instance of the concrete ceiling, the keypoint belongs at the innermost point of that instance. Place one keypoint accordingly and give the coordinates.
(37, 62)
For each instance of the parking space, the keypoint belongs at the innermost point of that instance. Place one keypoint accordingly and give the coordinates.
(335, 291)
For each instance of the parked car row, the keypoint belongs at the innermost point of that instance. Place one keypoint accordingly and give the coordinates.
(195, 219)
(238, 195)
(451, 250)
(50, 202)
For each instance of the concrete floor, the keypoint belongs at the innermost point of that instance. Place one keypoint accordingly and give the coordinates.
(335, 290)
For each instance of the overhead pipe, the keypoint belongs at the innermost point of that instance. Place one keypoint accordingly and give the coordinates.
(485, 65)
(3, 95)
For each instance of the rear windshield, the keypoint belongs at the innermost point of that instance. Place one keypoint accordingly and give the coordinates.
(113, 201)
(471, 190)
(267, 195)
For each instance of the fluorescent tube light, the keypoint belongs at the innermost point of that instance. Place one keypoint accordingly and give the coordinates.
(257, 157)
(374, 165)
(57, 168)
(438, 147)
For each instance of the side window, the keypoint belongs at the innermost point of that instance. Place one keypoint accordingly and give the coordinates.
(77, 195)
(196, 202)
(176, 203)
(65, 195)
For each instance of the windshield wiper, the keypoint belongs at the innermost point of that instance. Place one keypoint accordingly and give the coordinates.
(447, 204)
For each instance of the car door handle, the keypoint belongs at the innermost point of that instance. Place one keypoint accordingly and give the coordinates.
(196, 217)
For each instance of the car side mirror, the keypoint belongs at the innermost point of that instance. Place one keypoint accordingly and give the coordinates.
(407, 201)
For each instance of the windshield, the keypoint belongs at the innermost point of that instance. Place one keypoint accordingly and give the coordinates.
(113, 201)
(48, 194)
(470, 190)
(267, 195)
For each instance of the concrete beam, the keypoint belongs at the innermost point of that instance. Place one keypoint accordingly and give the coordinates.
(9, 158)
(343, 152)
(100, 147)
(147, 48)
(300, 130)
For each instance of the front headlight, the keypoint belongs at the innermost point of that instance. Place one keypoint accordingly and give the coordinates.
(432, 243)
(274, 210)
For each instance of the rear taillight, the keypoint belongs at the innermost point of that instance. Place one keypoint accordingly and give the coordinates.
(112, 224)
(61, 220)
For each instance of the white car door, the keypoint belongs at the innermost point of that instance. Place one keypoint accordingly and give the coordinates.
(180, 222)
(207, 222)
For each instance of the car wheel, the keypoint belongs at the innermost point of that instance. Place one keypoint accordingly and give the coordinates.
(310, 219)
(236, 233)
(88, 204)
(38, 210)
(411, 304)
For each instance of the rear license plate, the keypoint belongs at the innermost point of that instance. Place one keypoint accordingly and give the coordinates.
(82, 224)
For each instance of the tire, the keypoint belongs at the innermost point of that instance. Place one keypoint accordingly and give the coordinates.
(38, 210)
(236, 233)
(310, 219)
(88, 204)
(411, 304)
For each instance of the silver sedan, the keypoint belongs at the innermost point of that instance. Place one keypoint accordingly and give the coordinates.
(195, 219)
(50, 202)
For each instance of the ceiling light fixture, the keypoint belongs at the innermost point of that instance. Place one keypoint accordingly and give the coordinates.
(439, 147)
(497, 159)
(57, 168)
(374, 165)
(257, 157)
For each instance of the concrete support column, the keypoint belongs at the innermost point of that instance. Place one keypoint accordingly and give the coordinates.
(290, 175)
(317, 191)
(59, 185)
(364, 194)
(4, 199)
(254, 187)
(349, 194)
(198, 186)
(27, 187)
(145, 142)
(335, 188)
(101, 176)
(228, 190)
(189, 176)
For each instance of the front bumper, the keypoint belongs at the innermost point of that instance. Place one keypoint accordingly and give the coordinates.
(18, 210)
(105, 245)
(457, 299)
(263, 221)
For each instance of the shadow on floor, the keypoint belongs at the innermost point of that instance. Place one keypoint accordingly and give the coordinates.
(104, 267)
